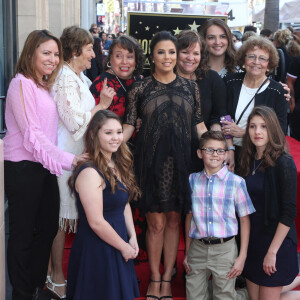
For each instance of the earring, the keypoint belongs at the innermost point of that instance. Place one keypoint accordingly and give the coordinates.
(108, 64)
(268, 70)
(243, 66)
(153, 61)
(74, 57)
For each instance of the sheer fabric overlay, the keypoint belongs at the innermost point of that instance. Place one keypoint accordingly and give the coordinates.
(169, 113)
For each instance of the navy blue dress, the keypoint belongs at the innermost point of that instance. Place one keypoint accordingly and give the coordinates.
(96, 269)
(260, 240)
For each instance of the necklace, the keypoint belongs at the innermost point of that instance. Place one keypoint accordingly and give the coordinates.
(73, 70)
(119, 80)
(255, 168)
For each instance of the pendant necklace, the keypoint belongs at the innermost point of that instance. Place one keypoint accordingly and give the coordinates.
(255, 168)
(119, 80)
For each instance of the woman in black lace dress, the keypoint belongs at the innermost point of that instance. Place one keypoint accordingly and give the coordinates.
(170, 109)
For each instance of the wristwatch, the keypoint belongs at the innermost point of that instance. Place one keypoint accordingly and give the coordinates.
(231, 148)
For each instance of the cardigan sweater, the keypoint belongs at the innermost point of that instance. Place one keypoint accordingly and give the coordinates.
(272, 96)
(280, 196)
(212, 97)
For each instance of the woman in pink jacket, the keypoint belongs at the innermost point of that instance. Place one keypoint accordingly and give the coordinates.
(32, 162)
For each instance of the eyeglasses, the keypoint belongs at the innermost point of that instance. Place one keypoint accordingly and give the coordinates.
(261, 59)
(211, 151)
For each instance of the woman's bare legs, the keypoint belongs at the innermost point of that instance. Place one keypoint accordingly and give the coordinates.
(156, 223)
(257, 292)
(288, 293)
(253, 290)
(170, 246)
(269, 293)
(56, 261)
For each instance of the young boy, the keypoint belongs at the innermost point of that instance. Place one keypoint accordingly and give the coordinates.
(217, 195)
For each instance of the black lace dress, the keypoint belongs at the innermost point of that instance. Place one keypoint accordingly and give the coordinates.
(169, 113)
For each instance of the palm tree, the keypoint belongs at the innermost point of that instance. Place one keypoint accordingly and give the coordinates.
(271, 20)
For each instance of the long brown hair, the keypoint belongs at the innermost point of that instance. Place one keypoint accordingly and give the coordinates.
(188, 38)
(230, 51)
(26, 62)
(275, 147)
(122, 157)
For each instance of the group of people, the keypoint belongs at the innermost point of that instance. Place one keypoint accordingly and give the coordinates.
(188, 130)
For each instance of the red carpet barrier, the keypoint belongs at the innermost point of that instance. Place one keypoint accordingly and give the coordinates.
(295, 152)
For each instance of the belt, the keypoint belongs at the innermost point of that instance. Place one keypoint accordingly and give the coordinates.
(213, 241)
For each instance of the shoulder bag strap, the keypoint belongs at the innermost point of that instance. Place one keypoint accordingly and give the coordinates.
(241, 115)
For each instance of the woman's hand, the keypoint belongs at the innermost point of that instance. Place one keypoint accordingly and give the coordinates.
(186, 265)
(230, 128)
(269, 263)
(128, 252)
(138, 124)
(79, 158)
(286, 88)
(106, 95)
(237, 268)
(134, 244)
(229, 161)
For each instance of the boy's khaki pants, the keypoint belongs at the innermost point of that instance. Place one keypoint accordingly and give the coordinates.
(216, 260)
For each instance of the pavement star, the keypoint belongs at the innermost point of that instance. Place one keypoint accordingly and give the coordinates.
(147, 28)
(136, 32)
(176, 31)
(157, 26)
(141, 22)
(194, 26)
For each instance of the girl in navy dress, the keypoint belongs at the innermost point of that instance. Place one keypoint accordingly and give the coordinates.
(271, 178)
(101, 259)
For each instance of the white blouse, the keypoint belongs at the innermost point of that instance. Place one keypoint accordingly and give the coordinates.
(74, 103)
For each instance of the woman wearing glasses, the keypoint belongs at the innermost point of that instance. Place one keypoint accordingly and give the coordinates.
(245, 90)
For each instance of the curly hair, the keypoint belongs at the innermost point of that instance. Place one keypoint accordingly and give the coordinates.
(73, 39)
(188, 38)
(230, 51)
(261, 43)
(122, 157)
(26, 62)
(158, 37)
(274, 148)
(129, 43)
(282, 37)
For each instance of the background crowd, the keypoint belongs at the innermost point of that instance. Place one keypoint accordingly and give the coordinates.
(76, 101)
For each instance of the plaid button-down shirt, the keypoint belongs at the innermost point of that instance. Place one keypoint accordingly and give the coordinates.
(215, 200)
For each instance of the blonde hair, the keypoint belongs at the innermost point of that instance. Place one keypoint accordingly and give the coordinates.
(282, 37)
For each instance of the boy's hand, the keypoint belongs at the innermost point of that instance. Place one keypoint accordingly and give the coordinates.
(186, 265)
(237, 268)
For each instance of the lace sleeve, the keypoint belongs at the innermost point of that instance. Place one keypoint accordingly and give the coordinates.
(68, 99)
(131, 109)
(197, 112)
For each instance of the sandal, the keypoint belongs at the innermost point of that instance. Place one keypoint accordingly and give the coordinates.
(166, 297)
(152, 296)
(51, 287)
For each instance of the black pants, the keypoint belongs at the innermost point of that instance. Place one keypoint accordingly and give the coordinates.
(33, 206)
